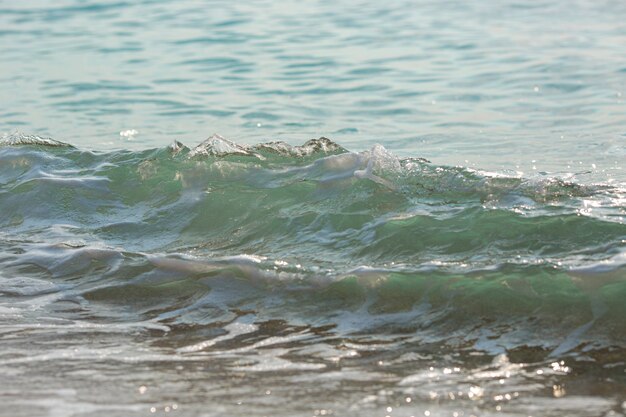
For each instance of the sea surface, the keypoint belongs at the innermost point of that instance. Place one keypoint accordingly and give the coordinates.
(322, 208)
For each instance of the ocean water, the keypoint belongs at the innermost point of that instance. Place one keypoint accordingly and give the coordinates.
(312, 208)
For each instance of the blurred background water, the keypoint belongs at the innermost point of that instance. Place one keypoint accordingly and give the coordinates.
(491, 84)
(139, 278)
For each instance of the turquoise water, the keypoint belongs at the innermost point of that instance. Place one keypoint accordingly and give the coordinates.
(456, 248)
(496, 85)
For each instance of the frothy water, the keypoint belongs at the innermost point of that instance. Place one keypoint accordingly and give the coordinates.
(230, 279)
(457, 248)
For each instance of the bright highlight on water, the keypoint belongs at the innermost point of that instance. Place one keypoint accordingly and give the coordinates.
(412, 208)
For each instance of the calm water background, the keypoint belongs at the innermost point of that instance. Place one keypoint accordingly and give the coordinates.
(491, 84)
(137, 279)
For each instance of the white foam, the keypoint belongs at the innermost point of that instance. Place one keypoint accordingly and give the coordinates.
(217, 145)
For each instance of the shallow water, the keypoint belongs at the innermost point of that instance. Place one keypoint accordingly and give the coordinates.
(271, 279)
(457, 249)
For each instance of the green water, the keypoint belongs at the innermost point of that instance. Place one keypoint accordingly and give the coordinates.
(456, 248)
(238, 270)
